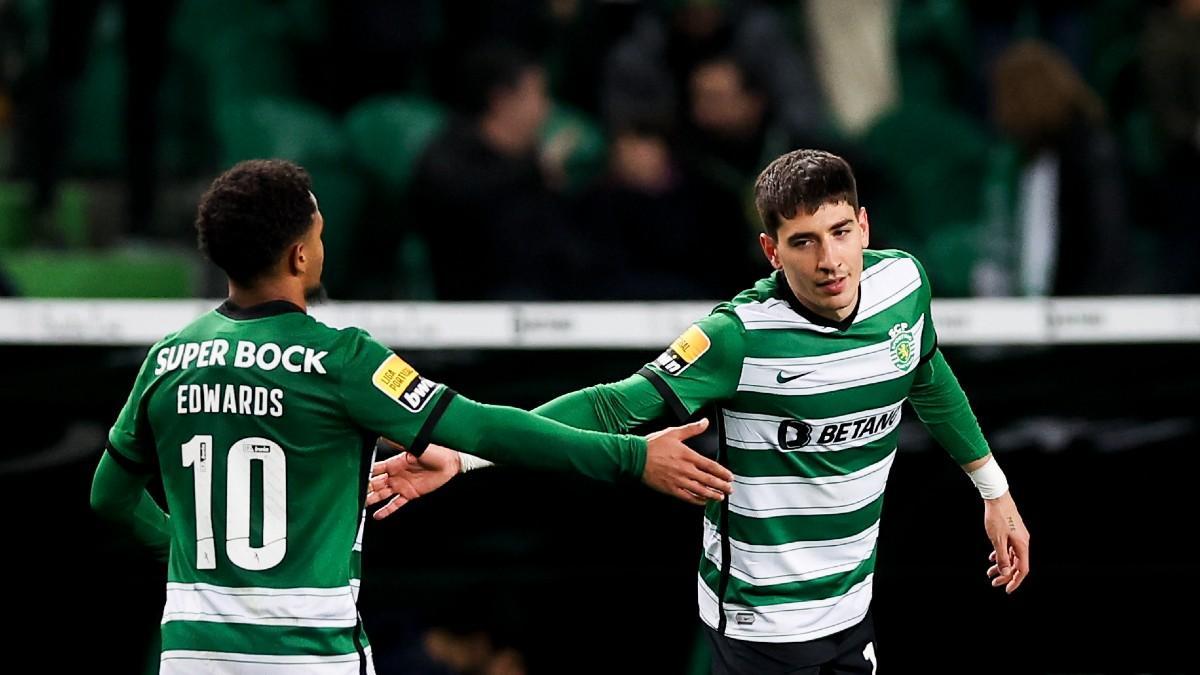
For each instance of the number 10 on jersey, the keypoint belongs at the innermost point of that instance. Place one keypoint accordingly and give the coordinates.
(197, 453)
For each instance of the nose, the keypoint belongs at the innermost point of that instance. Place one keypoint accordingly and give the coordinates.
(825, 258)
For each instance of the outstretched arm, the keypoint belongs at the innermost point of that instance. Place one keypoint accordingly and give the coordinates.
(610, 407)
(615, 407)
(942, 405)
(697, 368)
(521, 438)
(671, 468)
(119, 495)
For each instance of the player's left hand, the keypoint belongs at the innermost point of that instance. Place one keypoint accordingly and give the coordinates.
(405, 477)
(1010, 542)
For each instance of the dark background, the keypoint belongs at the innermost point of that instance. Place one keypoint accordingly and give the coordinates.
(1099, 444)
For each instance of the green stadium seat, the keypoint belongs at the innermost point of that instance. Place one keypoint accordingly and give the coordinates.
(933, 39)
(287, 128)
(87, 274)
(387, 136)
(69, 215)
(96, 138)
(272, 127)
(16, 214)
(341, 195)
(935, 161)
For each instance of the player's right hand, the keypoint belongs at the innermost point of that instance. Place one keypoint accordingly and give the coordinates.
(405, 477)
(677, 470)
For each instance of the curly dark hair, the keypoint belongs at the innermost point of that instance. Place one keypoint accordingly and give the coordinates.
(251, 214)
(802, 179)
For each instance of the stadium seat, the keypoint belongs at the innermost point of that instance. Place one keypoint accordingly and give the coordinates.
(387, 136)
(938, 196)
(69, 215)
(96, 138)
(292, 129)
(16, 214)
(267, 126)
(87, 274)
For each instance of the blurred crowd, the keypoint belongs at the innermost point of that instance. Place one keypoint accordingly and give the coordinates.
(605, 149)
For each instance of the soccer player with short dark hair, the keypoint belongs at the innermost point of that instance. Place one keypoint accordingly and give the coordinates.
(808, 371)
(262, 422)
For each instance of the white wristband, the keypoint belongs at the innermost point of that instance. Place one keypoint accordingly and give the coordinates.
(989, 480)
(471, 462)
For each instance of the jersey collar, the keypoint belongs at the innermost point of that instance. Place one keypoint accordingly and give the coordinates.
(259, 311)
(784, 292)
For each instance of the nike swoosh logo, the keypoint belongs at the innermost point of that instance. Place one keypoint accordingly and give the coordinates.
(784, 380)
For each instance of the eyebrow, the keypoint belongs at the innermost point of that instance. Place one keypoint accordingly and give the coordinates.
(809, 235)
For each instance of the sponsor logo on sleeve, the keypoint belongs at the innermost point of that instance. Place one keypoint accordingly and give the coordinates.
(403, 384)
(684, 351)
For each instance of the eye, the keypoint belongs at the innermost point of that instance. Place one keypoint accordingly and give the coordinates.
(841, 232)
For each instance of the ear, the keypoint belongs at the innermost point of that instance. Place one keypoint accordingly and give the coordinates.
(770, 250)
(297, 259)
(865, 224)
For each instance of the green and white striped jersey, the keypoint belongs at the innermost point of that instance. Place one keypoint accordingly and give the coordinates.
(262, 424)
(808, 412)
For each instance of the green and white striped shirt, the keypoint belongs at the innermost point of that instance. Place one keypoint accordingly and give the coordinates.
(808, 416)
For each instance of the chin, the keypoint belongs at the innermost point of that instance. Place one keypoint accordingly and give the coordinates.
(316, 294)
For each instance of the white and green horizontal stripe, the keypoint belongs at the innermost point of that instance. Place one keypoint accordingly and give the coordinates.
(774, 496)
(787, 529)
(249, 638)
(189, 661)
(301, 607)
(764, 565)
(885, 284)
(812, 375)
(796, 621)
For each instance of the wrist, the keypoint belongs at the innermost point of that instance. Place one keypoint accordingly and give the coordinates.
(467, 462)
(641, 452)
(990, 480)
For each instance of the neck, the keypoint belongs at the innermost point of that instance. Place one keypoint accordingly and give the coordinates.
(836, 316)
(266, 291)
(502, 138)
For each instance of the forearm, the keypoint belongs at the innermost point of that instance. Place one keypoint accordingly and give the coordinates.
(520, 438)
(942, 406)
(615, 407)
(120, 496)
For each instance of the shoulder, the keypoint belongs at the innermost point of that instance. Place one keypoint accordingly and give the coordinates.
(890, 273)
(731, 316)
(900, 265)
(347, 341)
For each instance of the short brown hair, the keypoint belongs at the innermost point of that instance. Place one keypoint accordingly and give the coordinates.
(802, 179)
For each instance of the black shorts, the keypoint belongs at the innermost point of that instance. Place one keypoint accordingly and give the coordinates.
(847, 652)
